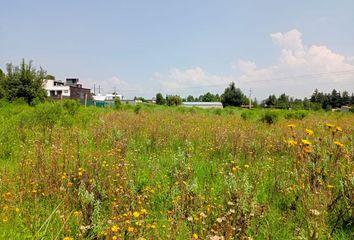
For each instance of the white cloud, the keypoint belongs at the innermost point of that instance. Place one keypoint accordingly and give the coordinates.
(290, 40)
(115, 84)
(177, 79)
(298, 67)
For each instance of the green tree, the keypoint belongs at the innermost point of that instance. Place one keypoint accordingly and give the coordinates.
(160, 100)
(232, 96)
(345, 98)
(2, 78)
(140, 98)
(173, 100)
(271, 101)
(190, 98)
(335, 99)
(50, 77)
(283, 101)
(209, 97)
(24, 82)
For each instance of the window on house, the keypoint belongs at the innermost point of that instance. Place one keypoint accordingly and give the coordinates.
(66, 91)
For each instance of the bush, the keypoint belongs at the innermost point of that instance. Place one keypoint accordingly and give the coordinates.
(117, 103)
(248, 115)
(47, 114)
(296, 115)
(137, 108)
(270, 117)
(173, 100)
(71, 106)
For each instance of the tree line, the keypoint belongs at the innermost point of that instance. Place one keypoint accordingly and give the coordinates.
(25, 83)
(233, 96)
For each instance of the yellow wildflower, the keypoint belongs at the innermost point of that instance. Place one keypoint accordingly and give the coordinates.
(136, 214)
(130, 229)
(114, 238)
(330, 125)
(306, 142)
(67, 238)
(114, 228)
(339, 144)
(330, 186)
(195, 236)
(339, 129)
(291, 126)
(292, 142)
(309, 132)
(143, 211)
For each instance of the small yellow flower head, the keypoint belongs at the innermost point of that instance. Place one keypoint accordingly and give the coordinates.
(67, 238)
(130, 229)
(291, 126)
(143, 211)
(195, 236)
(292, 142)
(247, 166)
(114, 228)
(5, 219)
(309, 132)
(330, 125)
(306, 142)
(136, 214)
(339, 129)
(330, 186)
(339, 144)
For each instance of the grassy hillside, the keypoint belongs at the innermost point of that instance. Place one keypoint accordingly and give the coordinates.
(68, 172)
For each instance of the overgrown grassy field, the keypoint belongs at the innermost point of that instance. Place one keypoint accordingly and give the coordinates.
(174, 173)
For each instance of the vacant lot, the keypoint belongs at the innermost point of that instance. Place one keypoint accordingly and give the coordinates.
(174, 173)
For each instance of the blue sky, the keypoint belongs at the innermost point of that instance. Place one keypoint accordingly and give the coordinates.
(185, 47)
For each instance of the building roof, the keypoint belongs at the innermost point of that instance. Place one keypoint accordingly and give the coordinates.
(202, 103)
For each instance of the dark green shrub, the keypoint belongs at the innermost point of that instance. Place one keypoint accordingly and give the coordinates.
(137, 108)
(117, 103)
(270, 117)
(71, 106)
(301, 114)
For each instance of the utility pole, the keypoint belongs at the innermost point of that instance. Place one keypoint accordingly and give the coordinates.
(249, 100)
(99, 89)
(94, 89)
